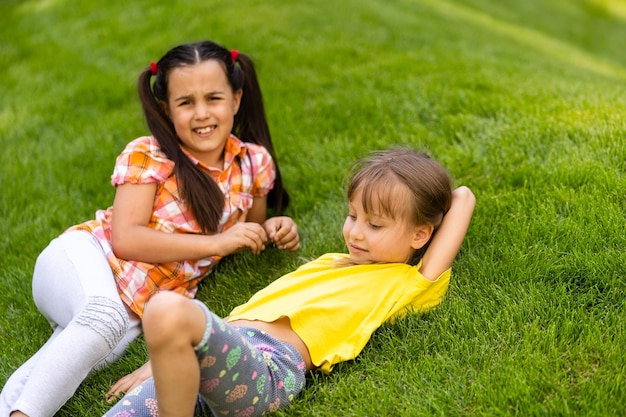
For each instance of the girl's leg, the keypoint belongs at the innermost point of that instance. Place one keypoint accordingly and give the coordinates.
(132, 332)
(246, 372)
(74, 288)
(172, 326)
(237, 371)
(170, 339)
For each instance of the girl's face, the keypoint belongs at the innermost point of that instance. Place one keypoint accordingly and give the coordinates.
(202, 107)
(376, 237)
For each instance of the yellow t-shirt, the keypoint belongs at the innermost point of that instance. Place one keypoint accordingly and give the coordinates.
(335, 309)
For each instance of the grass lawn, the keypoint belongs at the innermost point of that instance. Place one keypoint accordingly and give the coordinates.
(522, 101)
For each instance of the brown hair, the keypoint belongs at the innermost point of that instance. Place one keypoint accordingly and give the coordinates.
(381, 176)
(199, 191)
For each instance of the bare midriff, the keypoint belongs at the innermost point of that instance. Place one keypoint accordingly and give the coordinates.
(281, 330)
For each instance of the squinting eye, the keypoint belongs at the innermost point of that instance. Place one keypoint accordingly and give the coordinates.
(375, 226)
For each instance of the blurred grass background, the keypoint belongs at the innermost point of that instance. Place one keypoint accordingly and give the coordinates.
(524, 102)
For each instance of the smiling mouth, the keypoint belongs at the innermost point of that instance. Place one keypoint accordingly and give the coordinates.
(357, 249)
(205, 130)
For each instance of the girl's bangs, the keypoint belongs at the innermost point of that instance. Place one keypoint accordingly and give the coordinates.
(385, 196)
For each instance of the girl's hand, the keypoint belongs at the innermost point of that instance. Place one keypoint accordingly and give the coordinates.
(283, 231)
(128, 383)
(243, 235)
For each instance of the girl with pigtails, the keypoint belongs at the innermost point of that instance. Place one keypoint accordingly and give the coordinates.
(197, 189)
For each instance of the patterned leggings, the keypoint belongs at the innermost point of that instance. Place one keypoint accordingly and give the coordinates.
(244, 372)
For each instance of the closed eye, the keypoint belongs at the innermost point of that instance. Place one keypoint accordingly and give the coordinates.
(182, 101)
(214, 96)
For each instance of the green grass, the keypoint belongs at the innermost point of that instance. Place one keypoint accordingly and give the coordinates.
(523, 101)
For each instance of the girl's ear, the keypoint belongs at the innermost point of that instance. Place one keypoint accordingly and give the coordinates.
(422, 235)
(237, 100)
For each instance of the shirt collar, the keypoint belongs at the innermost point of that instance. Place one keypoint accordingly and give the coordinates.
(233, 148)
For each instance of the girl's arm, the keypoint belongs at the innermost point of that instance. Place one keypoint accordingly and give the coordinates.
(132, 238)
(449, 237)
(258, 211)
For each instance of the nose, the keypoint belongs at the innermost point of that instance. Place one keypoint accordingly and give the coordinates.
(356, 231)
(202, 111)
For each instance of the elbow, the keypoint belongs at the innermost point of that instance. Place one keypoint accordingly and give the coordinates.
(121, 245)
(465, 196)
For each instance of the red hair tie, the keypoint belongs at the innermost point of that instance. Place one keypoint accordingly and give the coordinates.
(153, 68)
(234, 54)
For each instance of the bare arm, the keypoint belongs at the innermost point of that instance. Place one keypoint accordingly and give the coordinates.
(133, 239)
(258, 211)
(448, 239)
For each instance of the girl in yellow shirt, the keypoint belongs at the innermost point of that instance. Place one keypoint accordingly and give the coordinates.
(404, 228)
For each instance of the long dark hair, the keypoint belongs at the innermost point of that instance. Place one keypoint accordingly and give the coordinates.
(199, 191)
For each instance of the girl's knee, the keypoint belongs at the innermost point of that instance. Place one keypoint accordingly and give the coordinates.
(162, 305)
(166, 315)
(106, 317)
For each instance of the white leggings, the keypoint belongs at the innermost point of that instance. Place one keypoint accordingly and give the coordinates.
(74, 288)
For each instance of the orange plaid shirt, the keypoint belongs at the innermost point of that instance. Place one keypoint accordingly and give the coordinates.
(248, 172)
